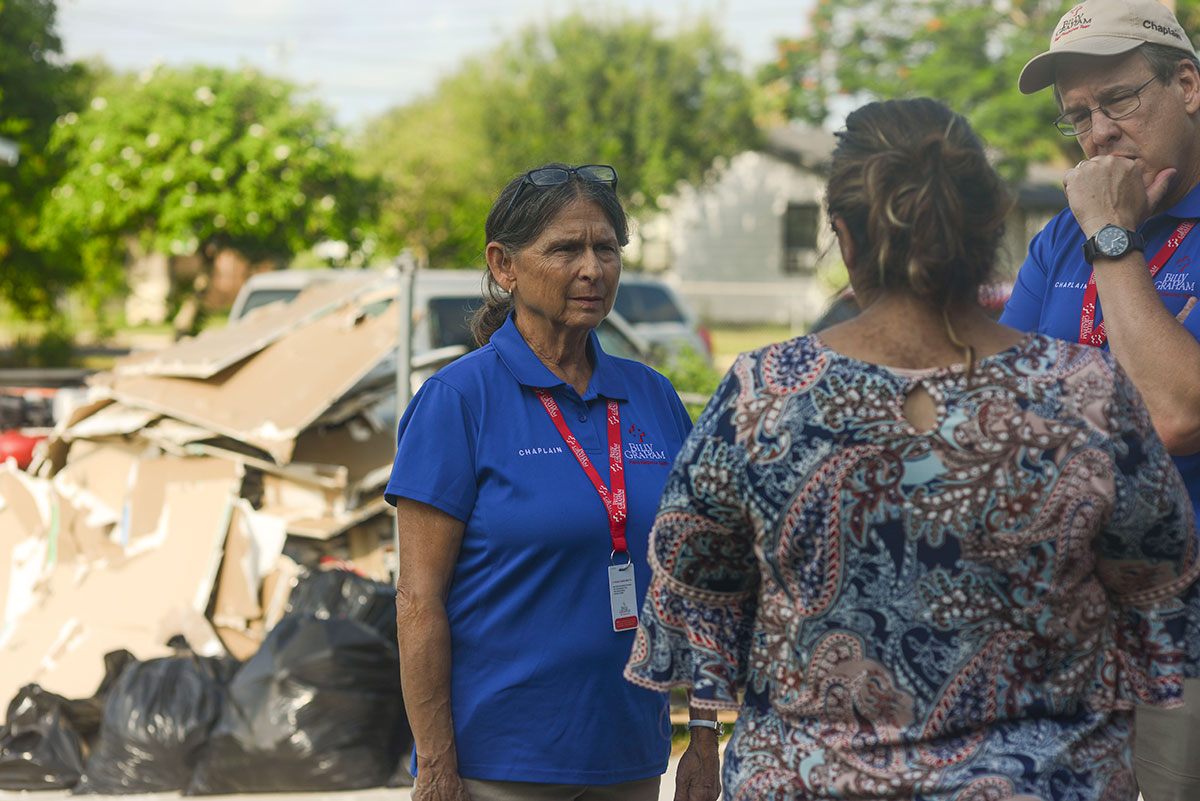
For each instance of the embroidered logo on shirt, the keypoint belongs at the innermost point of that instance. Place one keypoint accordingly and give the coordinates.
(540, 451)
(638, 451)
(1175, 282)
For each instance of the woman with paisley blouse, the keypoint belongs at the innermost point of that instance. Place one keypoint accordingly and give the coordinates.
(926, 556)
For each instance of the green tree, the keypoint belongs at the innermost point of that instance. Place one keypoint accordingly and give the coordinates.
(435, 158)
(966, 53)
(194, 161)
(660, 109)
(34, 90)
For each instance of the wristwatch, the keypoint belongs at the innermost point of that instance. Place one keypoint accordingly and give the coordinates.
(716, 725)
(1112, 241)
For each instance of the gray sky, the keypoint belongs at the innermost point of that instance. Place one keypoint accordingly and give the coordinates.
(361, 57)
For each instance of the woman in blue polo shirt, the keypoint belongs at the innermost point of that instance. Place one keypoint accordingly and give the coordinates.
(526, 478)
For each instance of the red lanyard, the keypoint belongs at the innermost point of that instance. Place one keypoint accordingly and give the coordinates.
(615, 502)
(1093, 333)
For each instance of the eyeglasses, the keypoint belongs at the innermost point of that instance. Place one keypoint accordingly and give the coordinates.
(552, 176)
(1074, 123)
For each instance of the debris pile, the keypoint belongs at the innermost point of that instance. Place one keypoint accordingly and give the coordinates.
(194, 485)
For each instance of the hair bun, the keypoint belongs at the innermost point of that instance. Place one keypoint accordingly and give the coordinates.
(925, 208)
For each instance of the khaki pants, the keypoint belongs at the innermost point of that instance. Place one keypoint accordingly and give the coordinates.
(1166, 749)
(640, 790)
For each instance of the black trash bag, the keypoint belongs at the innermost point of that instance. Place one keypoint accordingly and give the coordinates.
(39, 747)
(156, 717)
(85, 714)
(342, 593)
(316, 708)
(338, 593)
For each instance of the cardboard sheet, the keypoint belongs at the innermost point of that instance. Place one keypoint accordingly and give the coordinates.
(167, 431)
(371, 548)
(23, 546)
(243, 637)
(86, 608)
(235, 602)
(291, 499)
(20, 511)
(215, 349)
(356, 403)
(57, 447)
(327, 527)
(40, 528)
(277, 590)
(269, 398)
(77, 537)
(142, 520)
(242, 642)
(97, 476)
(113, 420)
(322, 475)
(356, 444)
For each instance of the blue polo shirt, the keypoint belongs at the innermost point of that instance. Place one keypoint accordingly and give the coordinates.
(537, 692)
(1048, 295)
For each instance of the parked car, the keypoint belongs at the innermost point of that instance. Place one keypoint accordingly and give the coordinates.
(281, 285)
(661, 316)
(443, 303)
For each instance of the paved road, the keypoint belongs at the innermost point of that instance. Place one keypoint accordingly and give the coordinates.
(374, 794)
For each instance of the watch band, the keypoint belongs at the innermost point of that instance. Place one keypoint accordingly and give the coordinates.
(715, 725)
(1134, 239)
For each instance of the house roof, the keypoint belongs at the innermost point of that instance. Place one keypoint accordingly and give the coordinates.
(802, 145)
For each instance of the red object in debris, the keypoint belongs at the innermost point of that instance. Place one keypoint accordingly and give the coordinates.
(17, 445)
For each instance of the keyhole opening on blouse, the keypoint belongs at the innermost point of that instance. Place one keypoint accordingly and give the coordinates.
(919, 409)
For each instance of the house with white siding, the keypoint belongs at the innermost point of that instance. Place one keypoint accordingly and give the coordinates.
(755, 246)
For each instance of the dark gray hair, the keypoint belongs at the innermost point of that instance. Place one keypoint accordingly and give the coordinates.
(528, 217)
(1163, 60)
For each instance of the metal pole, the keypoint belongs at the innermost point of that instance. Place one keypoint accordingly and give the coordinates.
(406, 269)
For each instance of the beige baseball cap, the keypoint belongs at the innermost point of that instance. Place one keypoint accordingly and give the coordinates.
(1104, 28)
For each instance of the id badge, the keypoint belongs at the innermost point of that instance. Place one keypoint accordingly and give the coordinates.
(622, 595)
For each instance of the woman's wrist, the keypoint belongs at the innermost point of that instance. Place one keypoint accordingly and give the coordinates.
(443, 760)
(703, 725)
(704, 728)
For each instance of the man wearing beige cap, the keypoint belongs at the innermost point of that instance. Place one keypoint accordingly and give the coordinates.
(1120, 267)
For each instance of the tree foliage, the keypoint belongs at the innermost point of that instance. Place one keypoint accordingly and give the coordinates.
(966, 53)
(579, 90)
(196, 160)
(34, 90)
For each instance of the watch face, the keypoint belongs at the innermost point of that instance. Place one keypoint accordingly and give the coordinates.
(1112, 241)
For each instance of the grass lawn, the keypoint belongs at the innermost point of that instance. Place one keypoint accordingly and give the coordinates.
(728, 342)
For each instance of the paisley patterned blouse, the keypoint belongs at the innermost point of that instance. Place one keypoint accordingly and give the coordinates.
(963, 614)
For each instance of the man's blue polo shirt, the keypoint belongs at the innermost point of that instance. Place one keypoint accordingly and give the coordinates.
(1048, 295)
(537, 693)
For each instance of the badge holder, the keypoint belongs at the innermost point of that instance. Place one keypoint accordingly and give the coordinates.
(622, 593)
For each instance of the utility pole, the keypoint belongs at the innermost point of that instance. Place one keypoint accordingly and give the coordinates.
(406, 272)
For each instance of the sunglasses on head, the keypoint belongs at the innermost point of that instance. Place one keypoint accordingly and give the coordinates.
(552, 176)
